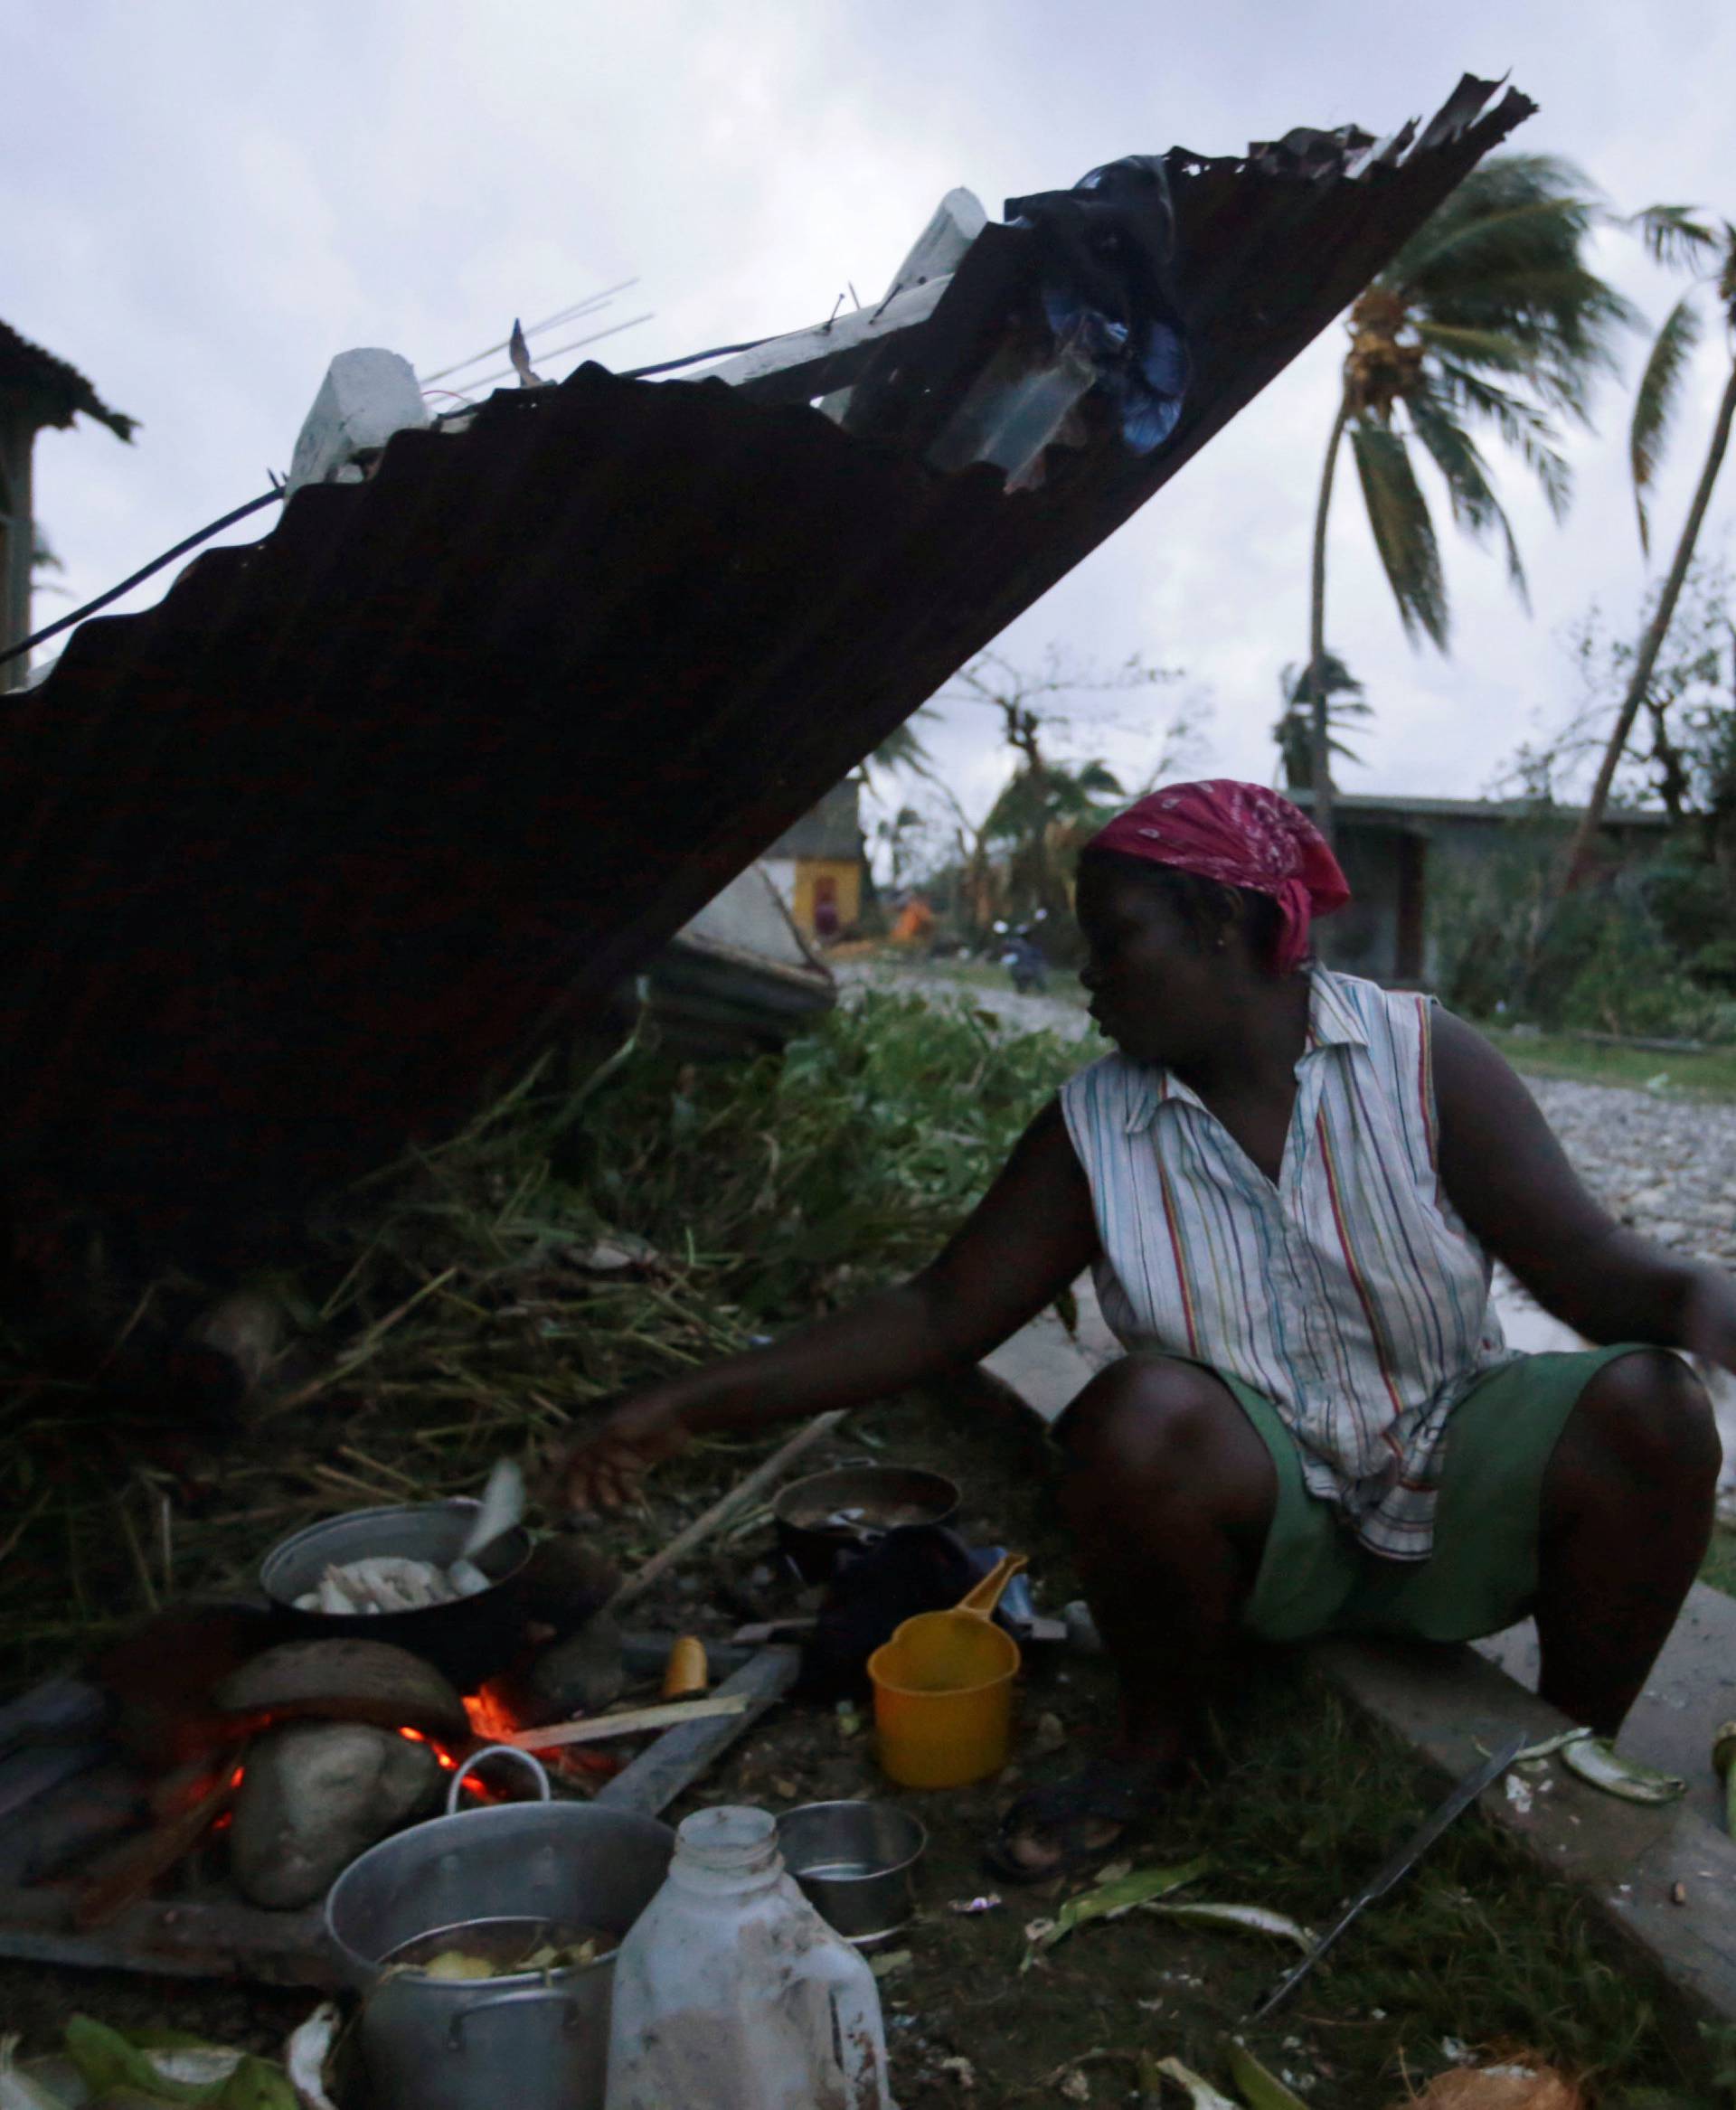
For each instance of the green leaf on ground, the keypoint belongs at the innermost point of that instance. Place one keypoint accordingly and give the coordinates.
(1138, 1888)
(1262, 2088)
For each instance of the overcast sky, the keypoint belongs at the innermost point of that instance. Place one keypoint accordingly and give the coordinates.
(200, 204)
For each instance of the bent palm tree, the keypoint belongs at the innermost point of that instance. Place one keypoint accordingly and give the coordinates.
(1489, 316)
(1674, 237)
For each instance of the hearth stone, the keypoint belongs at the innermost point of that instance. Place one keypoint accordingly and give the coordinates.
(314, 1796)
(582, 1674)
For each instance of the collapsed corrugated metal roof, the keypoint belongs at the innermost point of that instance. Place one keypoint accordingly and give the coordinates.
(298, 859)
(51, 391)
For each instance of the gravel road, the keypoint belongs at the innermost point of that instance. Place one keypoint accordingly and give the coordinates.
(1666, 1166)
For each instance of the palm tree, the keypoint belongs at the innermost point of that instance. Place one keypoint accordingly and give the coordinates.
(1293, 732)
(1488, 316)
(1045, 809)
(1674, 237)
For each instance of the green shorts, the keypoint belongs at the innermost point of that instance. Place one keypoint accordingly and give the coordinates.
(1482, 1575)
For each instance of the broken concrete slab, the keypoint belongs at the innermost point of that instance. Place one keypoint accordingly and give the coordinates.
(1663, 1878)
(1659, 1875)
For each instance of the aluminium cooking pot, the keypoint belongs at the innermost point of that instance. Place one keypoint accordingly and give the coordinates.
(527, 2041)
(852, 1507)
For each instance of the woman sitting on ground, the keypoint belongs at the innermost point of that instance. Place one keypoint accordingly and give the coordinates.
(1291, 1183)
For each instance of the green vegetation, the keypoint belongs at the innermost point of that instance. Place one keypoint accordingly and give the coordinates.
(1675, 1073)
(572, 1241)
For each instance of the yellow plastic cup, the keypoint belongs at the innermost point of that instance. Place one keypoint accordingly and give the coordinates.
(943, 1689)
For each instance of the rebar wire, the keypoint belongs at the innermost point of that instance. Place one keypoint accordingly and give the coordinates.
(566, 315)
(114, 593)
(562, 349)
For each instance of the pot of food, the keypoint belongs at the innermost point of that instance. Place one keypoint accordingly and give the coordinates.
(852, 1507)
(483, 1944)
(469, 1637)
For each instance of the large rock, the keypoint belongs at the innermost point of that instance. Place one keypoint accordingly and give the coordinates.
(314, 1796)
(346, 1680)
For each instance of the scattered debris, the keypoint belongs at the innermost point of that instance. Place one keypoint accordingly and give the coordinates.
(892, 1962)
(1518, 1793)
(1247, 1918)
(1596, 1759)
(306, 2054)
(18, 2089)
(990, 1901)
(1050, 1735)
(1548, 1745)
(1516, 2082)
(118, 2068)
(1201, 2094)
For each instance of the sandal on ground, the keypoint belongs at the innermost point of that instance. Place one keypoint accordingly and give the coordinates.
(1107, 1791)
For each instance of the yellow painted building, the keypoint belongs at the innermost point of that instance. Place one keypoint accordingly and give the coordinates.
(817, 866)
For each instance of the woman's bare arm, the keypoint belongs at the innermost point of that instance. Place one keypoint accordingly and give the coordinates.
(1025, 1241)
(1508, 1177)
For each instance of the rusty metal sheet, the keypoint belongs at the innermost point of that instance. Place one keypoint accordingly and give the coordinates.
(297, 861)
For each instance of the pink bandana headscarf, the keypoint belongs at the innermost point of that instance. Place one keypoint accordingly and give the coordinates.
(1243, 835)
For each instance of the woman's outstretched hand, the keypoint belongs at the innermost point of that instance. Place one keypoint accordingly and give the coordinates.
(603, 1470)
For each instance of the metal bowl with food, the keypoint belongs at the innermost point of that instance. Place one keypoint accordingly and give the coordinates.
(468, 1637)
(852, 1506)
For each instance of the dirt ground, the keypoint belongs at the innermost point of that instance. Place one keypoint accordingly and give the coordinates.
(1296, 1804)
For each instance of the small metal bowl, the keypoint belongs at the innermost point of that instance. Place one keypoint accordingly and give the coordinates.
(468, 1638)
(843, 1510)
(855, 1863)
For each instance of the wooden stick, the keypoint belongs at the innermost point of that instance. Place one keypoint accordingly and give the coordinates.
(719, 1512)
(596, 1726)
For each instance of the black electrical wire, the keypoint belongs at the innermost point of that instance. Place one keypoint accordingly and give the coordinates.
(266, 497)
(127, 585)
(694, 359)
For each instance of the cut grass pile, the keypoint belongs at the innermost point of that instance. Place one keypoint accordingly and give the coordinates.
(476, 1297)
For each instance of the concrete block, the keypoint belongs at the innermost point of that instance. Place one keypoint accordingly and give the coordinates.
(367, 395)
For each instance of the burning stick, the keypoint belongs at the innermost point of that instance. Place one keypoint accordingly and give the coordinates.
(138, 1865)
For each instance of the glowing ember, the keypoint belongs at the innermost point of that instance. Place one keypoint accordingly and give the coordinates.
(488, 1718)
(448, 1763)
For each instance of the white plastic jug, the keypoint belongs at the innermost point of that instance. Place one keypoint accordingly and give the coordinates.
(733, 1993)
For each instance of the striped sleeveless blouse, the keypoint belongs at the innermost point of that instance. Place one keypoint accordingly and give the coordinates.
(1350, 1294)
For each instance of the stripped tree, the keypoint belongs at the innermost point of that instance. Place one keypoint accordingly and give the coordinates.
(1674, 237)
